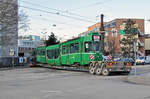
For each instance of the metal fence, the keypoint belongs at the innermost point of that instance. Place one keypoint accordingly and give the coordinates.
(14, 62)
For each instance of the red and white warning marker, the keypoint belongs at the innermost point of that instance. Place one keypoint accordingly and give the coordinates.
(109, 57)
(92, 57)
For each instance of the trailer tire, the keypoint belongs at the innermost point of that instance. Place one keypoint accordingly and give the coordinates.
(92, 71)
(105, 72)
(98, 71)
(92, 68)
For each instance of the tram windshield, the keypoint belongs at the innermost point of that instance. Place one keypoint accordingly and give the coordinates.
(92, 46)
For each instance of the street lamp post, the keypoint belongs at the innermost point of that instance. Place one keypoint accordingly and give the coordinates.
(102, 31)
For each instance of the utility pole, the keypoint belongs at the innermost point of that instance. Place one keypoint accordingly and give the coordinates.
(102, 31)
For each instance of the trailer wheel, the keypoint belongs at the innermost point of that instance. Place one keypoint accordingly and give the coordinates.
(92, 71)
(98, 71)
(105, 71)
(91, 65)
(92, 68)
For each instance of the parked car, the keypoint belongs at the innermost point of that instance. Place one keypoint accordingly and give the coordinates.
(147, 59)
(140, 60)
(143, 60)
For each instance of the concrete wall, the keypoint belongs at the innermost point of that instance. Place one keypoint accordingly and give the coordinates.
(9, 30)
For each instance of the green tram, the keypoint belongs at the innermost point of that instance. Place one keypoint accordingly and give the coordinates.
(84, 51)
(41, 54)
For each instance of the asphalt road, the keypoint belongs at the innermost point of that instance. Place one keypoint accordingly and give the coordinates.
(43, 83)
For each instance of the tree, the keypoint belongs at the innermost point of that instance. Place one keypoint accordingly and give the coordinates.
(131, 31)
(52, 40)
(23, 21)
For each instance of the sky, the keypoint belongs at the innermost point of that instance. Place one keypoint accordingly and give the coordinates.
(68, 18)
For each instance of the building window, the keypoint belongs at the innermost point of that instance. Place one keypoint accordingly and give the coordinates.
(114, 32)
(124, 22)
(106, 33)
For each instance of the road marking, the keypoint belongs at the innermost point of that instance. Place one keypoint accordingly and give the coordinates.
(51, 91)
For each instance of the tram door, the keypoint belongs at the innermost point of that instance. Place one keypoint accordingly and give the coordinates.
(65, 56)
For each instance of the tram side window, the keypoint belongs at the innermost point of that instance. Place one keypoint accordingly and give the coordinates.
(49, 54)
(63, 50)
(88, 46)
(56, 53)
(72, 48)
(76, 48)
(43, 52)
(53, 54)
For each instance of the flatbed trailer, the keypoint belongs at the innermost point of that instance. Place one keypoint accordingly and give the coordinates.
(99, 68)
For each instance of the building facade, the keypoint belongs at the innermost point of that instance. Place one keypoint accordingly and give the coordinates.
(8, 28)
(147, 45)
(27, 44)
(114, 33)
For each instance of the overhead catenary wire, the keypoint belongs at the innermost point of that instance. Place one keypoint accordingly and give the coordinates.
(99, 3)
(67, 12)
(64, 23)
(93, 4)
(49, 12)
(58, 22)
(44, 11)
(56, 13)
